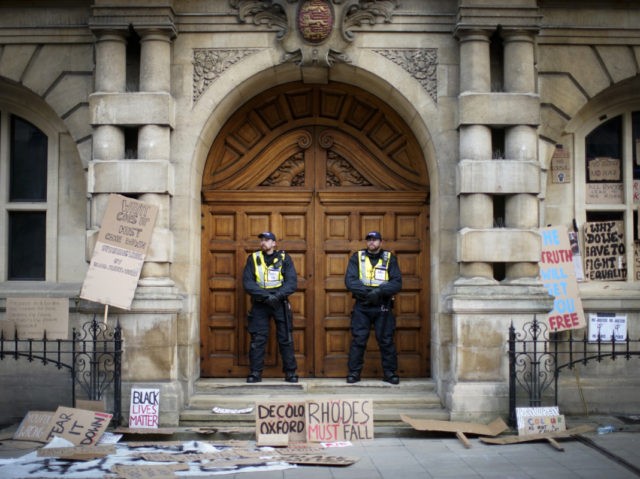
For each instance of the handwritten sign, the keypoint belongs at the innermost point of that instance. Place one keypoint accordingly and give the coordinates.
(82, 428)
(145, 408)
(119, 252)
(558, 276)
(273, 418)
(604, 251)
(339, 420)
(607, 326)
(561, 165)
(604, 169)
(542, 424)
(34, 427)
(33, 316)
(604, 193)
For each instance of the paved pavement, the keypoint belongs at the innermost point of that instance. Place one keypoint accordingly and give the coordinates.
(615, 455)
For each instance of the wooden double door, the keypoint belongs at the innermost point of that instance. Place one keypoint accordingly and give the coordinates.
(320, 186)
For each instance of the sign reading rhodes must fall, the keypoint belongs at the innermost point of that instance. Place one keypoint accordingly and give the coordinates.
(119, 252)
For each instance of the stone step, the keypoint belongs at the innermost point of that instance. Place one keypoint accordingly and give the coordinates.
(413, 397)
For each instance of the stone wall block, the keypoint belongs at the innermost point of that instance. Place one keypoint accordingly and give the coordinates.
(78, 123)
(71, 90)
(14, 60)
(580, 61)
(499, 109)
(562, 92)
(619, 61)
(132, 109)
(130, 176)
(498, 245)
(51, 61)
(498, 176)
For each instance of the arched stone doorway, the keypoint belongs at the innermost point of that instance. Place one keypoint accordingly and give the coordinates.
(320, 165)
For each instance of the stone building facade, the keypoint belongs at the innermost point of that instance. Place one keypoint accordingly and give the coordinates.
(434, 121)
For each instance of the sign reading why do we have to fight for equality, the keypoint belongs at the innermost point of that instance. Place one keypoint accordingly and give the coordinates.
(558, 275)
(119, 253)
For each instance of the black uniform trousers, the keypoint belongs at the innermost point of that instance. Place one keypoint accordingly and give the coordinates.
(384, 323)
(258, 319)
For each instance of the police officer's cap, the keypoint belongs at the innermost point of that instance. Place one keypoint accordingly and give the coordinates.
(267, 235)
(375, 235)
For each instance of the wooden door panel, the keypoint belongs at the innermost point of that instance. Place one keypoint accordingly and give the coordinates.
(231, 238)
(343, 228)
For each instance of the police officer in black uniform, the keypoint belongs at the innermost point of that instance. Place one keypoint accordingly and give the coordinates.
(269, 278)
(373, 277)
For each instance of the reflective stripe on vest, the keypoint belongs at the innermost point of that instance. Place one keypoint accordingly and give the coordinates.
(368, 272)
(268, 277)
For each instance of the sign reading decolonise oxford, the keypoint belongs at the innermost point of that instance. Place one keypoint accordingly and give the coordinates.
(558, 275)
(119, 252)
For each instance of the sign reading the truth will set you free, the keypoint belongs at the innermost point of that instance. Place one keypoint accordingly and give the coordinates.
(558, 276)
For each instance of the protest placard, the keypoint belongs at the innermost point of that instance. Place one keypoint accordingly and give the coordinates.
(33, 316)
(80, 427)
(119, 252)
(144, 409)
(607, 327)
(539, 420)
(558, 276)
(34, 427)
(339, 420)
(604, 251)
(274, 418)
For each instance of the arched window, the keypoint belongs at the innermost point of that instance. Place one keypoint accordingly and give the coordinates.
(608, 195)
(29, 148)
(27, 200)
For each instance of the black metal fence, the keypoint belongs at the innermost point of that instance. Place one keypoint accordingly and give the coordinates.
(93, 356)
(537, 355)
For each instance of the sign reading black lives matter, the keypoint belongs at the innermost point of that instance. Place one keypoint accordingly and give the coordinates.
(119, 253)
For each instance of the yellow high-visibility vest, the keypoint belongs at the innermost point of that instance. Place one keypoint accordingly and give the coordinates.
(374, 276)
(268, 277)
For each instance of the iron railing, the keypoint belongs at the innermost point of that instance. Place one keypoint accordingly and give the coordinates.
(537, 355)
(93, 356)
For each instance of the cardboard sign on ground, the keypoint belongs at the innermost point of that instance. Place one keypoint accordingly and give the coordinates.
(273, 440)
(547, 436)
(339, 420)
(34, 427)
(160, 471)
(320, 460)
(80, 427)
(275, 419)
(79, 453)
(542, 424)
(459, 428)
(144, 410)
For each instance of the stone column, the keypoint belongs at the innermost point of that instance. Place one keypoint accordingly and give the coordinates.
(110, 77)
(476, 209)
(521, 210)
(154, 144)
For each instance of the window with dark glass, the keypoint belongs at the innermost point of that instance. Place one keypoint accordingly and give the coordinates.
(28, 162)
(27, 217)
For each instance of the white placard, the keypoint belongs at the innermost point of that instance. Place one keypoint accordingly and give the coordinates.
(607, 325)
